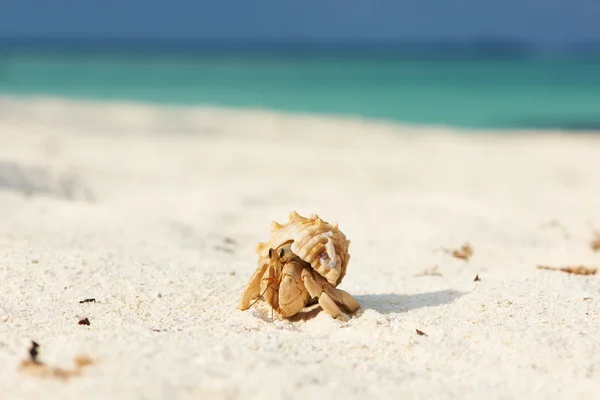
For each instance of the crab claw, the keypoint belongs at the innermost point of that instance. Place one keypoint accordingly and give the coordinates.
(293, 296)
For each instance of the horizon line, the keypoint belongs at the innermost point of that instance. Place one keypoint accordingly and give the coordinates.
(483, 44)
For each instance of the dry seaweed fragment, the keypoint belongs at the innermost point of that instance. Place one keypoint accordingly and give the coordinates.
(577, 270)
(229, 240)
(34, 367)
(430, 272)
(224, 249)
(33, 351)
(46, 371)
(595, 243)
(227, 248)
(83, 361)
(91, 300)
(420, 333)
(464, 253)
(84, 321)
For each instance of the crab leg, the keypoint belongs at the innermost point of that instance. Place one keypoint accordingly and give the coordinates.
(293, 296)
(340, 296)
(344, 299)
(252, 290)
(329, 297)
(316, 290)
(270, 285)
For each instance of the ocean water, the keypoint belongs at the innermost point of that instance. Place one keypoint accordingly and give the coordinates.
(473, 91)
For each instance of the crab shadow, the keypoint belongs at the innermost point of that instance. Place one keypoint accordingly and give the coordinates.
(390, 303)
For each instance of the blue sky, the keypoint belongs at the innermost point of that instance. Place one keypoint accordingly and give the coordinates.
(542, 22)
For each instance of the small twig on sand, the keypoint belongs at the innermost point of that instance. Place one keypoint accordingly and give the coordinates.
(430, 272)
(35, 367)
(464, 253)
(577, 270)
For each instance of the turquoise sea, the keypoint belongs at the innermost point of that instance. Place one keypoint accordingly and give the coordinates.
(512, 90)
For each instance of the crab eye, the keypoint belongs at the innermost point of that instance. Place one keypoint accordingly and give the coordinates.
(281, 253)
(270, 253)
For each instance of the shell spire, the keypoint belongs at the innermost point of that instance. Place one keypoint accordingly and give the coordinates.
(261, 246)
(276, 227)
(294, 215)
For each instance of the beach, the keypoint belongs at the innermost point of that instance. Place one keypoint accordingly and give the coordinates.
(151, 214)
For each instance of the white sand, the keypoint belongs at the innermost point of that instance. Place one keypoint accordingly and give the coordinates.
(136, 207)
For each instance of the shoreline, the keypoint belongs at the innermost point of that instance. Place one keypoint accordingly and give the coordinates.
(37, 103)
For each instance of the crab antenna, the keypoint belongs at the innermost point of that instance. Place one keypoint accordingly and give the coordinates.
(259, 297)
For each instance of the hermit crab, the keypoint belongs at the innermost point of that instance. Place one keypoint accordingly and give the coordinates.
(301, 264)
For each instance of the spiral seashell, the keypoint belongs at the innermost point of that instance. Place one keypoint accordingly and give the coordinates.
(314, 241)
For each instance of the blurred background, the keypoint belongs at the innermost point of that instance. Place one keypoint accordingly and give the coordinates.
(465, 63)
